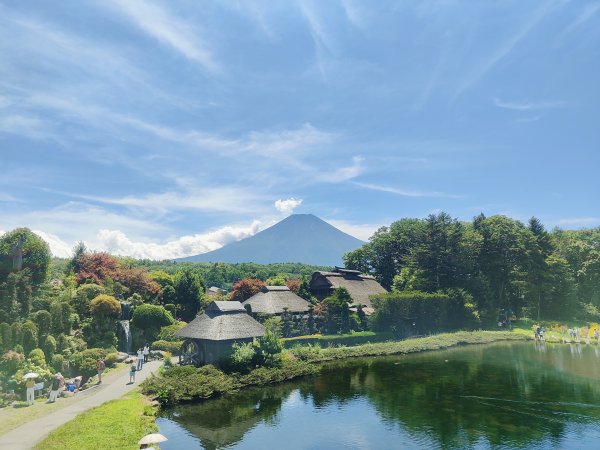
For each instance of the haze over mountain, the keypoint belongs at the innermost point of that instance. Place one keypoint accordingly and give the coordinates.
(302, 238)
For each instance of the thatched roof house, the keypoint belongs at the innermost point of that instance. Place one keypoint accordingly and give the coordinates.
(272, 299)
(208, 338)
(360, 287)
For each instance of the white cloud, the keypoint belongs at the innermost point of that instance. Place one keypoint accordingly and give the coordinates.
(221, 199)
(344, 173)
(117, 242)
(58, 247)
(527, 106)
(360, 231)
(404, 192)
(163, 26)
(288, 206)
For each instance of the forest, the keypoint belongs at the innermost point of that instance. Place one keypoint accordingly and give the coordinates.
(497, 263)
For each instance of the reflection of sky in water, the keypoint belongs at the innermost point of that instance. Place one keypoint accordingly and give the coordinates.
(498, 396)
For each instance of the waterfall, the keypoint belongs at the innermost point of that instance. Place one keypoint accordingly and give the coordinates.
(124, 336)
(124, 331)
(125, 311)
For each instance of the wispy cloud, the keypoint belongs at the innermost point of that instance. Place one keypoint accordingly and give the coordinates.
(404, 192)
(321, 38)
(528, 106)
(587, 13)
(222, 199)
(579, 222)
(162, 25)
(502, 51)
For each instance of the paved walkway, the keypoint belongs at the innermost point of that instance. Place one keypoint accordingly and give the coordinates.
(29, 434)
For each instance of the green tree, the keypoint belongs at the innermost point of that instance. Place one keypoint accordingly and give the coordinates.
(43, 320)
(188, 293)
(337, 306)
(33, 250)
(83, 296)
(29, 336)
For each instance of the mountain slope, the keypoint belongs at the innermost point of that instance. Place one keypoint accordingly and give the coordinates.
(302, 238)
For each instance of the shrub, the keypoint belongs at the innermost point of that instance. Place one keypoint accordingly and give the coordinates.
(151, 316)
(83, 296)
(167, 346)
(30, 336)
(105, 306)
(167, 333)
(50, 346)
(241, 358)
(6, 333)
(171, 307)
(111, 359)
(150, 319)
(57, 363)
(85, 362)
(10, 362)
(37, 357)
(307, 352)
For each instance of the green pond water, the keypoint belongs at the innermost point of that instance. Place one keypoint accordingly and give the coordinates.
(504, 395)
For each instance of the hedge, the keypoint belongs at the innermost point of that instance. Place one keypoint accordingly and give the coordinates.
(334, 340)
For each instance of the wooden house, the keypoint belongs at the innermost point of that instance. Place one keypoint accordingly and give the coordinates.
(209, 337)
(271, 300)
(361, 287)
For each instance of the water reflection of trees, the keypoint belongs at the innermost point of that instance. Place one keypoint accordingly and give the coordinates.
(224, 421)
(503, 395)
(474, 395)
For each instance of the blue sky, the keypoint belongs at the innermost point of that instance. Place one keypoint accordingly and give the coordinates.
(167, 128)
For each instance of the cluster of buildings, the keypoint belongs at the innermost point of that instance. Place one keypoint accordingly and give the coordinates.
(209, 336)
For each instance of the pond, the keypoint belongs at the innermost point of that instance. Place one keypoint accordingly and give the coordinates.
(504, 395)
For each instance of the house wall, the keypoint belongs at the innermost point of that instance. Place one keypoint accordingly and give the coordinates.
(214, 351)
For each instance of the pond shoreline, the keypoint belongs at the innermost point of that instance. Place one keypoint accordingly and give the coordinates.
(184, 384)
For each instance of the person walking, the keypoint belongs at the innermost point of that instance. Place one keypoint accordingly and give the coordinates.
(140, 359)
(54, 389)
(146, 352)
(132, 371)
(30, 385)
(101, 366)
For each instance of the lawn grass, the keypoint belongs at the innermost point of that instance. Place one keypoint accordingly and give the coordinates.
(433, 342)
(11, 418)
(118, 424)
(355, 338)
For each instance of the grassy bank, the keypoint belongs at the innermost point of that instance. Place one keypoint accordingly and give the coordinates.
(182, 384)
(118, 424)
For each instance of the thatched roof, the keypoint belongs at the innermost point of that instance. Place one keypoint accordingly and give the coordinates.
(222, 321)
(360, 286)
(272, 300)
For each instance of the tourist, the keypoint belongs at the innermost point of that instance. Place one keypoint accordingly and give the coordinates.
(11, 385)
(54, 387)
(132, 370)
(140, 359)
(101, 366)
(30, 386)
(61, 383)
(77, 382)
(146, 352)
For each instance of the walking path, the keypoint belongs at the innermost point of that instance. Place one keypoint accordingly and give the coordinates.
(29, 434)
